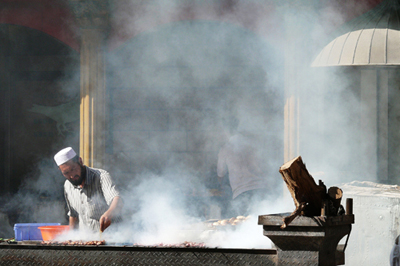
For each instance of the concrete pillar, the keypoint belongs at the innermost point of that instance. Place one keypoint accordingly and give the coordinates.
(291, 127)
(291, 87)
(93, 108)
(298, 20)
(383, 126)
(93, 19)
(368, 124)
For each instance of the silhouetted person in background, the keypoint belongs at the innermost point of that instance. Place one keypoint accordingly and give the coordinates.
(240, 159)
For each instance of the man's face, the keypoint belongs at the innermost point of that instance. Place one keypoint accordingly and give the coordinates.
(73, 172)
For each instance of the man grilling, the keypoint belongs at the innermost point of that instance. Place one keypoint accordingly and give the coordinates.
(92, 198)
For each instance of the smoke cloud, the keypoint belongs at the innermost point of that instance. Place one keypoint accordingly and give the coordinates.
(177, 72)
(185, 71)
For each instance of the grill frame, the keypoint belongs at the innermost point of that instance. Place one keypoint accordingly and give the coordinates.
(19, 254)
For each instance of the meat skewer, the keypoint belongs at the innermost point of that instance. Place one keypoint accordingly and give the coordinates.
(74, 243)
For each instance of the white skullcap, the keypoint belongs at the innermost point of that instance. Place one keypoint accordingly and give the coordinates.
(64, 156)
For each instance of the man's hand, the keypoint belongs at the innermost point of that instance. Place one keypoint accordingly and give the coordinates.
(105, 221)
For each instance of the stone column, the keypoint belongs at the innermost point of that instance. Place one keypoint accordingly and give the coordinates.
(383, 125)
(369, 124)
(297, 18)
(93, 19)
(291, 107)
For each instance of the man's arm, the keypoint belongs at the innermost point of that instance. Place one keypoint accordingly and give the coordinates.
(106, 218)
(73, 222)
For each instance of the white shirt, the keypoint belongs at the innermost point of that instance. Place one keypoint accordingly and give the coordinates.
(240, 158)
(90, 202)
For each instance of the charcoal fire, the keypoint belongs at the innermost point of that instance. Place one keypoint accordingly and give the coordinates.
(185, 244)
(228, 222)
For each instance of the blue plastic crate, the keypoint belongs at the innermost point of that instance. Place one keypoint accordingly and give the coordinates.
(29, 231)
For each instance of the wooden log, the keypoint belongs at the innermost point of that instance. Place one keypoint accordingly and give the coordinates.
(303, 188)
(335, 194)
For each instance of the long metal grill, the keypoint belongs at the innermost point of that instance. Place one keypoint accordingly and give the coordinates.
(111, 255)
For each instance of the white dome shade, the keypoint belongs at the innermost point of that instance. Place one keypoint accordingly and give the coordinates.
(371, 39)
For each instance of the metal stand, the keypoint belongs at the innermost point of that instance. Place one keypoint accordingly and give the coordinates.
(308, 240)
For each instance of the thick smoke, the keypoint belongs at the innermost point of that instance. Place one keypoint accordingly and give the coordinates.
(160, 214)
(182, 71)
(177, 85)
